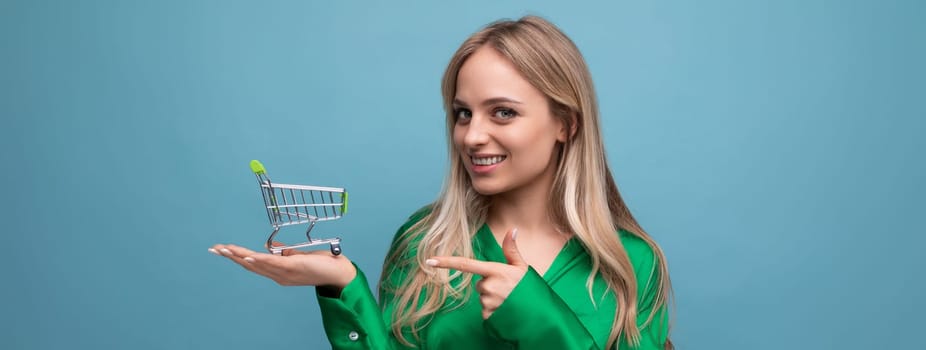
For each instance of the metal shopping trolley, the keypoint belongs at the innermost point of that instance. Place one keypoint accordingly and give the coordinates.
(289, 205)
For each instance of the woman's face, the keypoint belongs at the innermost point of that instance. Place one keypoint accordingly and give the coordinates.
(504, 130)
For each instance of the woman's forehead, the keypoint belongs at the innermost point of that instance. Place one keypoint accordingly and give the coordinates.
(488, 75)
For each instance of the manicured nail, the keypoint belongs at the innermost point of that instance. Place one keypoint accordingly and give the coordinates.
(213, 251)
(225, 251)
(431, 262)
(514, 234)
(249, 259)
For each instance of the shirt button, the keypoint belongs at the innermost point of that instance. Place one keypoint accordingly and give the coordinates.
(353, 336)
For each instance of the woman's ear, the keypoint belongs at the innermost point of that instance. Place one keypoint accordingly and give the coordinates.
(568, 128)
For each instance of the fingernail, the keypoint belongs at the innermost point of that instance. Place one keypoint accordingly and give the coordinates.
(225, 251)
(249, 259)
(213, 251)
(431, 262)
(514, 234)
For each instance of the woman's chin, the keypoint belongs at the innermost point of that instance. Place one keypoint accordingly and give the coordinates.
(487, 188)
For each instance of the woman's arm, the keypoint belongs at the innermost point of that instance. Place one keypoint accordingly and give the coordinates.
(352, 318)
(351, 315)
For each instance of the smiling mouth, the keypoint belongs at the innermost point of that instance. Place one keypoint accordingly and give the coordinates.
(487, 160)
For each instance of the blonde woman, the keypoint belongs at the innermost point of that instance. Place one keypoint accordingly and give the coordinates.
(529, 245)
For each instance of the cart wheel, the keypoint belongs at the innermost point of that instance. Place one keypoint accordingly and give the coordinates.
(336, 249)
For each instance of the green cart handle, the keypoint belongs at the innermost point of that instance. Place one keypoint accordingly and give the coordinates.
(258, 168)
(344, 202)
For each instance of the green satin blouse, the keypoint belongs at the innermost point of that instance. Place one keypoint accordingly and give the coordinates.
(553, 311)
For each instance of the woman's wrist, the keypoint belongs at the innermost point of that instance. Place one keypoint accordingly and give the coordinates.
(346, 273)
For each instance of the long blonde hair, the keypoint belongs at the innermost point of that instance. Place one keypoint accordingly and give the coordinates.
(584, 198)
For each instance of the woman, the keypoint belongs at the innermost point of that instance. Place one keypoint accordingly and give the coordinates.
(529, 244)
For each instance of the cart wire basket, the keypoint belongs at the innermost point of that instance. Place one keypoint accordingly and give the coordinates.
(290, 205)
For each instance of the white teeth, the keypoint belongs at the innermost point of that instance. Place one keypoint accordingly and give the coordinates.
(487, 160)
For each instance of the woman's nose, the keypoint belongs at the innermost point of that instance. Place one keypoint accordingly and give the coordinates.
(477, 132)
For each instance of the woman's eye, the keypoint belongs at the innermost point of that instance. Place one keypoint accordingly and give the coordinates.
(462, 114)
(505, 113)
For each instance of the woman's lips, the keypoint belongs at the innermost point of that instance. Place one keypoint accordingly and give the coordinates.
(483, 165)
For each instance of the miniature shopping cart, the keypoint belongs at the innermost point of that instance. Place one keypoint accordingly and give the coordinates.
(289, 205)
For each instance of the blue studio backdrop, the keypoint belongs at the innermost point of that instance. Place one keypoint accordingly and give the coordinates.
(773, 148)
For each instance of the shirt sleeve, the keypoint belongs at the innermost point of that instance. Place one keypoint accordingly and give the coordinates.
(353, 319)
(523, 322)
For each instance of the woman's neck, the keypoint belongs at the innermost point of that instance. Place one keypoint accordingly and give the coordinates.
(527, 209)
(527, 214)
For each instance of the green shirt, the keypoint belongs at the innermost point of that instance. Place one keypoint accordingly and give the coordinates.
(553, 311)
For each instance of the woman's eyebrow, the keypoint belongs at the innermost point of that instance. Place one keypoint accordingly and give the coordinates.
(487, 102)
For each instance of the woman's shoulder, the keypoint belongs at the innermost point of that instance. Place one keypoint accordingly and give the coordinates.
(416, 217)
(634, 244)
(641, 254)
(406, 241)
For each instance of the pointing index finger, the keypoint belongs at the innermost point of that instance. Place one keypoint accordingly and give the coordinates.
(483, 268)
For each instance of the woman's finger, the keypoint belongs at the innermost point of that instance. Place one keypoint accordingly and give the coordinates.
(479, 267)
(245, 258)
(222, 250)
(480, 286)
(238, 251)
(249, 259)
(485, 300)
(271, 264)
(285, 252)
(215, 249)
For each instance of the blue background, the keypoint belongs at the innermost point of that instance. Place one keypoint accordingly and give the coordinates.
(773, 148)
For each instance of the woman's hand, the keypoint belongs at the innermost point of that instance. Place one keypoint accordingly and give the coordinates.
(294, 267)
(498, 280)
